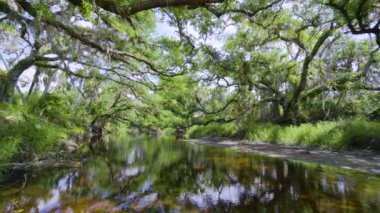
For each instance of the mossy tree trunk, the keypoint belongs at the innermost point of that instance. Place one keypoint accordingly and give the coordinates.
(5, 90)
(292, 107)
(8, 80)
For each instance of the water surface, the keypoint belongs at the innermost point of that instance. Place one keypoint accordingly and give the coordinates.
(172, 176)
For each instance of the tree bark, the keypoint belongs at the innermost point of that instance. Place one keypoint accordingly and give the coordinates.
(48, 84)
(34, 82)
(23, 99)
(8, 81)
(291, 113)
(114, 6)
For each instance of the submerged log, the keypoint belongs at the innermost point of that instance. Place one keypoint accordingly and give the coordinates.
(42, 164)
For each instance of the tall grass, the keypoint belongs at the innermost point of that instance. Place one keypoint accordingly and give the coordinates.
(357, 134)
(8, 148)
(346, 134)
(213, 130)
(24, 134)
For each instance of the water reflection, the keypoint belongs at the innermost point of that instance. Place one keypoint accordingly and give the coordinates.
(212, 196)
(171, 176)
(51, 203)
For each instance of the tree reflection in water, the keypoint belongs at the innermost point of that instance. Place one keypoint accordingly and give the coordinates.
(164, 175)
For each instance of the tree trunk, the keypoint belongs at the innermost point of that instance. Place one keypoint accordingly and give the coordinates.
(275, 115)
(8, 81)
(23, 99)
(291, 112)
(48, 84)
(34, 82)
(5, 90)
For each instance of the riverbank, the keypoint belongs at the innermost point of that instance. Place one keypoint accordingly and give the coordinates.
(364, 161)
(351, 134)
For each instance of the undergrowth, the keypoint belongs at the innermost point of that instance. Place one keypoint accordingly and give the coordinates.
(345, 134)
(213, 130)
(33, 130)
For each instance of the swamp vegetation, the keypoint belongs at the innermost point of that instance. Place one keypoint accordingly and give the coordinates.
(77, 75)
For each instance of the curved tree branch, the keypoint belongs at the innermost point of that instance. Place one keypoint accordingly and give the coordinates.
(139, 6)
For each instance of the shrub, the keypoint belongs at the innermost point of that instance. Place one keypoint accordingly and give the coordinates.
(345, 134)
(23, 134)
(8, 148)
(357, 134)
(54, 108)
(213, 130)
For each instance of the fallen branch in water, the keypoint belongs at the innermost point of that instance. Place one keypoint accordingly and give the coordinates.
(23, 184)
(42, 164)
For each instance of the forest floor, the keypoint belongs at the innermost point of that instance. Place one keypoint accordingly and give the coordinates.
(364, 161)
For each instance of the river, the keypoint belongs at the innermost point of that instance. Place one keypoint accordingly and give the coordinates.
(164, 175)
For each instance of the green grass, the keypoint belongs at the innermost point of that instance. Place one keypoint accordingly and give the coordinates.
(23, 134)
(8, 147)
(348, 134)
(213, 130)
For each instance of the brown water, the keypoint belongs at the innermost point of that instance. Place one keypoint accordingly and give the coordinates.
(169, 176)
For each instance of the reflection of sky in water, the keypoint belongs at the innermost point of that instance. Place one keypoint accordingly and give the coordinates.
(190, 180)
(268, 196)
(135, 154)
(274, 173)
(147, 186)
(324, 183)
(146, 200)
(50, 204)
(211, 196)
(133, 171)
(64, 184)
(131, 157)
(285, 169)
(293, 194)
(341, 187)
(130, 172)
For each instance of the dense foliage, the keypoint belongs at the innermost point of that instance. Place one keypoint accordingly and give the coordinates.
(175, 64)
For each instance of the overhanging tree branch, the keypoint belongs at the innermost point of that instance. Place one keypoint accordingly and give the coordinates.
(339, 83)
(114, 54)
(144, 5)
(250, 13)
(308, 59)
(362, 28)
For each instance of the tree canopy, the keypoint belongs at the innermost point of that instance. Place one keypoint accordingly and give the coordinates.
(277, 61)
